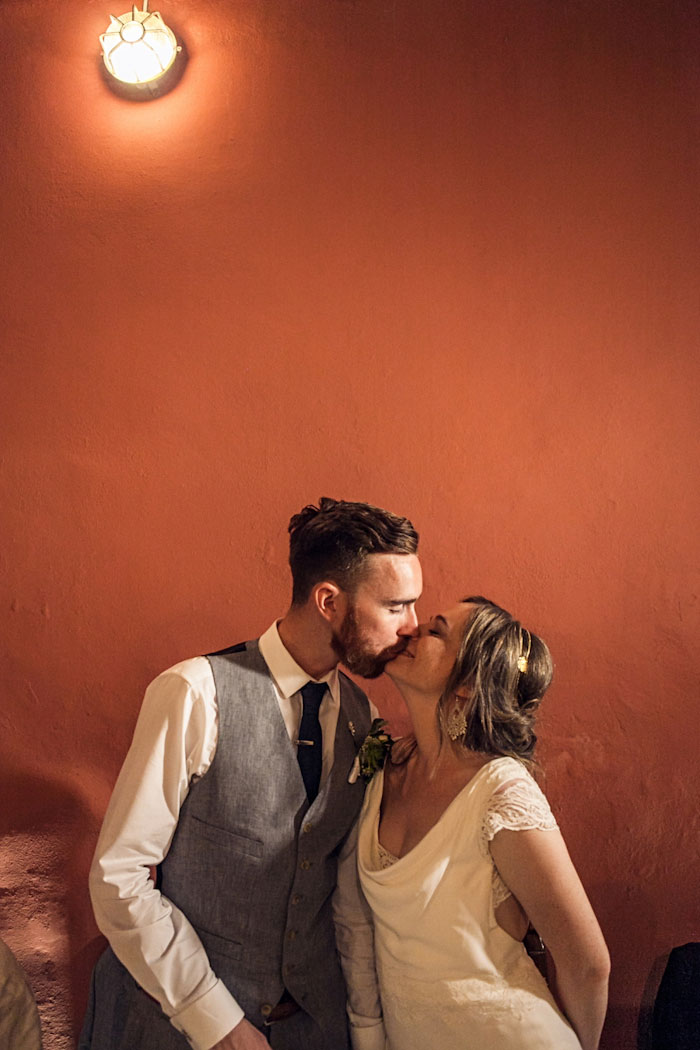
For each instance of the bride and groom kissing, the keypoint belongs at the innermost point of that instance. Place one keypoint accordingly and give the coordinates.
(292, 908)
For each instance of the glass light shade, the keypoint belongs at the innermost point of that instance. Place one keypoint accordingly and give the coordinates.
(138, 47)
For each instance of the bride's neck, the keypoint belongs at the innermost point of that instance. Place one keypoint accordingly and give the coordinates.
(426, 728)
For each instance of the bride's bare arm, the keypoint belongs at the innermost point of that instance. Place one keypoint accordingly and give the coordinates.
(536, 867)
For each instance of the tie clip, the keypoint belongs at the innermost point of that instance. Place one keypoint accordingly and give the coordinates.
(304, 743)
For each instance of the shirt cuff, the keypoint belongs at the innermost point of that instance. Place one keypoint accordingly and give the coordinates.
(372, 1037)
(208, 1019)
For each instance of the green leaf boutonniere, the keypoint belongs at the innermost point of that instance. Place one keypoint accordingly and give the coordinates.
(375, 748)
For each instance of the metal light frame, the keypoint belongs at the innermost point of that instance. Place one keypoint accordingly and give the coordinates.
(138, 47)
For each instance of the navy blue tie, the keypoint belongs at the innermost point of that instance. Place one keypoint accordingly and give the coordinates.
(310, 746)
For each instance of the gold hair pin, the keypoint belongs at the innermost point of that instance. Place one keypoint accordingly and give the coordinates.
(524, 656)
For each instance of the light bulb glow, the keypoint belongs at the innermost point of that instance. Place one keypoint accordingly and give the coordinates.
(131, 32)
(138, 47)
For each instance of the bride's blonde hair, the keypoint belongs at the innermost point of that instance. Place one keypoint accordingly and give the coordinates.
(502, 671)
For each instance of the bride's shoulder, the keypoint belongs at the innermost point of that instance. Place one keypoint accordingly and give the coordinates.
(500, 772)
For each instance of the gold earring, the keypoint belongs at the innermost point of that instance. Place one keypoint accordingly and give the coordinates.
(456, 723)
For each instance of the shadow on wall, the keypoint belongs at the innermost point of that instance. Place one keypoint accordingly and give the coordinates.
(47, 835)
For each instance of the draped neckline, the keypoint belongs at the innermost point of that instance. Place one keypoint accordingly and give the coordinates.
(442, 819)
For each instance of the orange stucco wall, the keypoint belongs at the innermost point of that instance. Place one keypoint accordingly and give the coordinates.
(440, 256)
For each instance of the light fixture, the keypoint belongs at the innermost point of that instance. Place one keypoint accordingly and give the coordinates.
(138, 47)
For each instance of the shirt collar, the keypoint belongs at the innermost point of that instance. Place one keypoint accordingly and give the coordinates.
(288, 675)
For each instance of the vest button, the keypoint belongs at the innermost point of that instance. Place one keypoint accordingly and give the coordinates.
(305, 865)
(296, 899)
(266, 1009)
(291, 935)
(307, 828)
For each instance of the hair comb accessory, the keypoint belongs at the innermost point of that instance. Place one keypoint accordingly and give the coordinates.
(524, 656)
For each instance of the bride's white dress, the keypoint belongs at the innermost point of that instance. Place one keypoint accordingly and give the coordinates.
(450, 978)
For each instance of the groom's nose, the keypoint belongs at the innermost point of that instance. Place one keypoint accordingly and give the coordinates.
(409, 627)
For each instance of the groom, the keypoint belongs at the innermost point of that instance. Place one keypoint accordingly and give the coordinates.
(235, 790)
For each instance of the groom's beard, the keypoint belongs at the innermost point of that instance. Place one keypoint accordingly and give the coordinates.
(351, 648)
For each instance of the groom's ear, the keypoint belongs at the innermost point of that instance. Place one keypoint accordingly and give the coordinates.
(329, 601)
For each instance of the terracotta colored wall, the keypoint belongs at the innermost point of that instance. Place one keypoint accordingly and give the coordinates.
(439, 256)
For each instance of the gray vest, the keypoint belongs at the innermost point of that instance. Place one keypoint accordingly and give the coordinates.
(252, 865)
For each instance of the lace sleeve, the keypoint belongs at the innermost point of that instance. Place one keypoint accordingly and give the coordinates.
(517, 805)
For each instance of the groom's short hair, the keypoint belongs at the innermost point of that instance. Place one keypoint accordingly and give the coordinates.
(333, 540)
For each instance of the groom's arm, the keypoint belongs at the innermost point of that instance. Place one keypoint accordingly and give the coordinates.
(174, 740)
(354, 932)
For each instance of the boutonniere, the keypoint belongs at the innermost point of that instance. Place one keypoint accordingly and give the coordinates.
(372, 753)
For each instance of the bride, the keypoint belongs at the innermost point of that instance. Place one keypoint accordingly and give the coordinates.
(458, 852)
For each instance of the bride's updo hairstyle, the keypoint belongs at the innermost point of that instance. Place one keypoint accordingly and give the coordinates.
(503, 671)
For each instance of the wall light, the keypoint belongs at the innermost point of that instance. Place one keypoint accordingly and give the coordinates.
(138, 47)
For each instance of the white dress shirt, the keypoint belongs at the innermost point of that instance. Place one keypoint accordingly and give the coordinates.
(354, 931)
(174, 743)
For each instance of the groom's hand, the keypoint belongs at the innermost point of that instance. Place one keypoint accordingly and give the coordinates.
(243, 1037)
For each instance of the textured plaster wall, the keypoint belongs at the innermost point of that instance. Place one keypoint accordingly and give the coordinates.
(443, 257)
